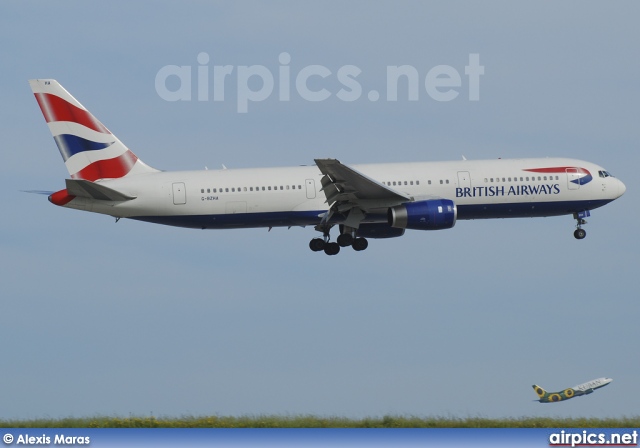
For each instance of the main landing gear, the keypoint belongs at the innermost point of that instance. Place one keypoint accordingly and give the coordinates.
(345, 239)
(580, 233)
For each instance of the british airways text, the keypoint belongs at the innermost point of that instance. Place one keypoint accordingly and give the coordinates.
(514, 190)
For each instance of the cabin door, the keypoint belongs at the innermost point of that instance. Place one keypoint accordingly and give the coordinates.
(311, 189)
(573, 179)
(179, 193)
(464, 179)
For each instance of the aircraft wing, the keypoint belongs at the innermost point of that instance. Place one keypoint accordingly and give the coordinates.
(347, 188)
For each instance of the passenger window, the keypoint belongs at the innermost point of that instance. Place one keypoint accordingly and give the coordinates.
(447, 181)
(418, 182)
(269, 188)
(405, 182)
(202, 190)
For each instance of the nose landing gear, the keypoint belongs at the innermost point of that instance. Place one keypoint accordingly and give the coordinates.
(580, 233)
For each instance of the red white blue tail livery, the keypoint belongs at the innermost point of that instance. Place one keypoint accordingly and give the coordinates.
(362, 201)
(90, 151)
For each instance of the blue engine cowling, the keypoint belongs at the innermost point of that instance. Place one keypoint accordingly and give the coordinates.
(434, 214)
(378, 231)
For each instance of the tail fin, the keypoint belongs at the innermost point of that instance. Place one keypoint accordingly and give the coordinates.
(540, 391)
(90, 151)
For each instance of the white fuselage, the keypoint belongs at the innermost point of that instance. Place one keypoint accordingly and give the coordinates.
(590, 386)
(292, 196)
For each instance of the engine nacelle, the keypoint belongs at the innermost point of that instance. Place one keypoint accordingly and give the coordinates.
(378, 231)
(433, 214)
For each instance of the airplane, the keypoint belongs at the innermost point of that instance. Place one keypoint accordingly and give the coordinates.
(365, 201)
(575, 391)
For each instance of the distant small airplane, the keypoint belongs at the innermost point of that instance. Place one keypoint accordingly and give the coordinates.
(575, 391)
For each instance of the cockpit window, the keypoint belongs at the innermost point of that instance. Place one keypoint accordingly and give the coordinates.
(604, 174)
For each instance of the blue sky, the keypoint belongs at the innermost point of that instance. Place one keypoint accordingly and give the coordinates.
(133, 318)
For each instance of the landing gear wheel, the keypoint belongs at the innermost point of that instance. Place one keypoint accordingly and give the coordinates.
(580, 234)
(317, 244)
(345, 240)
(360, 244)
(331, 248)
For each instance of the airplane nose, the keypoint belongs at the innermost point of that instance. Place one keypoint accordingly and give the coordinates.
(621, 188)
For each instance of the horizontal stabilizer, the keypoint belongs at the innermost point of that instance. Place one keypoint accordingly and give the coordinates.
(86, 189)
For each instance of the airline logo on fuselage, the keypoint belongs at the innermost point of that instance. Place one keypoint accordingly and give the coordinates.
(582, 177)
(590, 385)
(514, 190)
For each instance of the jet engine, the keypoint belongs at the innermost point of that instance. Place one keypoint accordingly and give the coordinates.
(433, 214)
